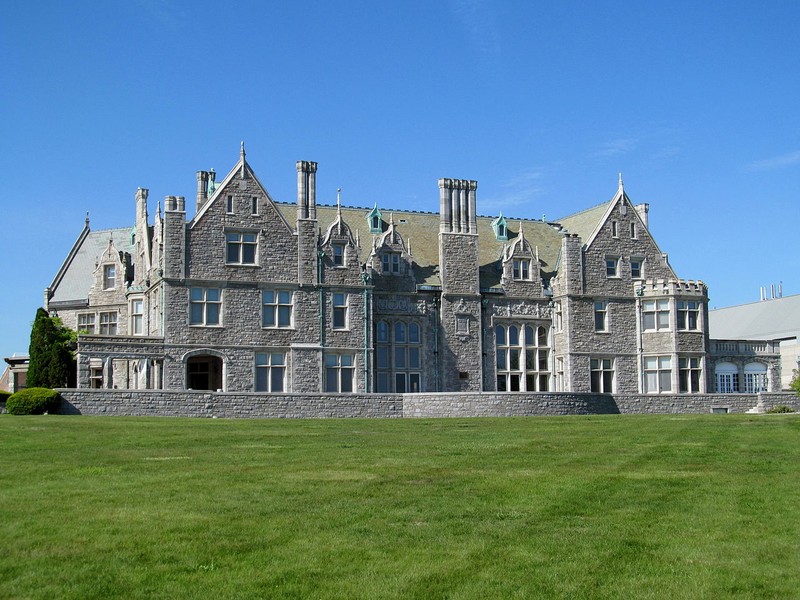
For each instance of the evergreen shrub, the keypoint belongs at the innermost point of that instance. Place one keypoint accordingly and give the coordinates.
(33, 401)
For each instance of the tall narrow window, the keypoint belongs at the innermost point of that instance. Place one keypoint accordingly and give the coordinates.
(558, 319)
(241, 248)
(339, 373)
(634, 232)
(276, 308)
(109, 277)
(658, 374)
(688, 312)
(689, 374)
(137, 317)
(254, 205)
(229, 204)
(614, 229)
(602, 375)
(636, 267)
(270, 372)
(600, 315)
(205, 306)
(612, 266)
(338, 255)
(339, 311)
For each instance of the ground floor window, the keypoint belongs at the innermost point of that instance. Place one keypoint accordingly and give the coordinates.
(339, 373)
(270, 372)
(398, 357)
(522, 358)
(602, 375)
(689, 374)
(726, 376)
(657, 374)
(204, 373)
(755, 378)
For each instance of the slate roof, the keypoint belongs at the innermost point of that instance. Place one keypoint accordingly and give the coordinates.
(421, 229)
(776, 319)
(585, 222)
(73, 280)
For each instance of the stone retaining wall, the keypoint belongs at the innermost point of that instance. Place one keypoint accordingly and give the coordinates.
(485, 404)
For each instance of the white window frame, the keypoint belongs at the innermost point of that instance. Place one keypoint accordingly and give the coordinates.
(340, 310)
(685, 311)
(390, 263)
(654, 314)
(612, 267)
(755, 378)
(521, 269)
(726, 378)
(602, 375)
(86, 322)
(278, 305)
(108, 323)
(600, 309)
(340, 373)
(209, 302)
(690, 374)
(658, 374)
(639, 261)
(522, 357)
(270, 372)
(338, 249)
(136, 316)
(109, 277)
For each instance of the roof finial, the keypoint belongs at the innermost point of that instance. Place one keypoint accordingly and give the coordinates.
(339, 199)
(87, 219)
(241, 152)
(620, 182)
(241, 158)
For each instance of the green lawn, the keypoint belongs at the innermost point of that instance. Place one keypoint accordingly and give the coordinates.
(574, 507)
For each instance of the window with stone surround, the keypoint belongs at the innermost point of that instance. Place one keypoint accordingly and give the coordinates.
(614, 229)
(277, 307)
(270, 372)
(612, 266)
(229, 204)
(340, 306)
(338, 254)
(390, 263)
(655, 315)
(755, 378)
(521, 269)
(241, 247)
(690, 374)
(398, 357)
(634, 231)
(602, 375)
(254, 205)
(657, 374)
(637, 267)
(558, 316)
(726, 378)
(522, 358)
(137, 317)
(109, 276)
(205, 306)
(339, 373)
(108, 323)
(86, 323)
(600, 315)
(688, 315)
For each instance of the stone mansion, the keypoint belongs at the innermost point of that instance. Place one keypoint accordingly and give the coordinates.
(254, 295)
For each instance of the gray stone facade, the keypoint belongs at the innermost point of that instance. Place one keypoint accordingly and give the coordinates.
(259, 302)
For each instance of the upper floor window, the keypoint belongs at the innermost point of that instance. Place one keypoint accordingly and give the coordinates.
(108, 323)
(109, 277)
(340, 310)
(521, 268)
(240, 248)
(614, 229)
(634, 231)
(137, 317)
(338, 255)
(205, 306)
(657, 374)
(655, 315)
(602, 375)
(86, 323)
(612, 266)
(254, 205)
(637, 265)
(276, 308)
(229, 204)
(339, 372)
(688, 312)
(600, 315)
(391, 262)
(270, 372)
(558, 316)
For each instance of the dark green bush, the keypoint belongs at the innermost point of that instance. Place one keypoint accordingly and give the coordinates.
(780, 408)
(33, 401)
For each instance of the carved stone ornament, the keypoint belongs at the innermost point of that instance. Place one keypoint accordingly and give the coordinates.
(400, 304)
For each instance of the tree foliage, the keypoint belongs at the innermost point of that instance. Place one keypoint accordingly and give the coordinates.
(795, 385)
(51, 362)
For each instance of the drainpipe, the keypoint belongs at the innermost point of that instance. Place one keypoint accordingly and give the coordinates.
(436, 308)
(365, 278)
(320, 255)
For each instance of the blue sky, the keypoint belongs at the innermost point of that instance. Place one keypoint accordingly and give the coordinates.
(543, 103)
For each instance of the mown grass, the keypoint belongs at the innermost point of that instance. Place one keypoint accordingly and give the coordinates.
(575, 507)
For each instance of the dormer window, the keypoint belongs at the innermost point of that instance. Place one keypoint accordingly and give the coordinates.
(109, 277)
(521, 268)
(338, 255)
(391, 262)
(374, 221)
(500, 227)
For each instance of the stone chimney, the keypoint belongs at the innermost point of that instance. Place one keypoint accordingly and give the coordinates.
(202, 189)
(644, 211)
(306, 189)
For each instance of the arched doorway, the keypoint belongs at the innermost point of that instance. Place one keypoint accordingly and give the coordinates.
(204, 372)
(727, 378)
(755, 378)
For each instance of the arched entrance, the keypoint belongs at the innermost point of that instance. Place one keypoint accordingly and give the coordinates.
(204, 372)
